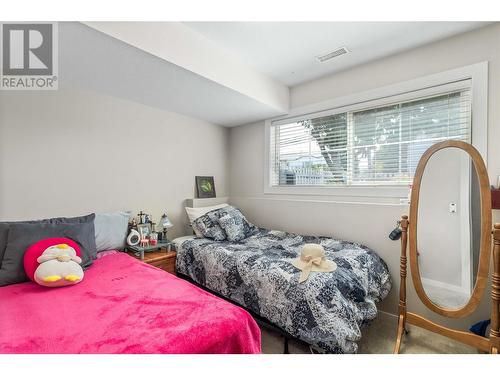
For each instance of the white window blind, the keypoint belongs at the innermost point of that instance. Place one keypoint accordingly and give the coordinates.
(374, 146)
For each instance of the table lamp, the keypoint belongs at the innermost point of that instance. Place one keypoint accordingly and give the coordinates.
(163, 226)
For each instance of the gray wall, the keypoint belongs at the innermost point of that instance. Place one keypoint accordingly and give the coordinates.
(365, 223)
(72, 152)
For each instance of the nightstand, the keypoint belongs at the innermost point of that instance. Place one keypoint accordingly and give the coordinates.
(162, 259)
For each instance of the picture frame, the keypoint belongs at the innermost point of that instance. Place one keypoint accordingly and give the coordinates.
(205, 186)
(144, 230)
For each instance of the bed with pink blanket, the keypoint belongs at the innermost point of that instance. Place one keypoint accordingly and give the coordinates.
(122, 306)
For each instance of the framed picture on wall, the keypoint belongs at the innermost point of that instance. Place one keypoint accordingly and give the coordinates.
(205, 186)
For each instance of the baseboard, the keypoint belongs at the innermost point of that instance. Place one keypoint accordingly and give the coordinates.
(443, 285)
(383, 315)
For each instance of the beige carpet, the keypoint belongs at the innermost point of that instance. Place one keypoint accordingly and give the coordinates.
(378, 338)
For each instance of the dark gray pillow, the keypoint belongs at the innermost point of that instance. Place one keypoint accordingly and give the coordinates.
(22, 235)
(4, 227)
(209, 227)
(234, 224)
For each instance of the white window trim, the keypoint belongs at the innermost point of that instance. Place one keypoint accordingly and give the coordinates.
(408, 90)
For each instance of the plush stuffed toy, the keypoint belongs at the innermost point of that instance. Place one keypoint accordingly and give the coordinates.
(54, 262)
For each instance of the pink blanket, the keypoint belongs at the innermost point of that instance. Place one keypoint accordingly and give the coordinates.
(122, 306)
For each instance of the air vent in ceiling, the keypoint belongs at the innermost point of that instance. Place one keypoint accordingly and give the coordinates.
(330, 55)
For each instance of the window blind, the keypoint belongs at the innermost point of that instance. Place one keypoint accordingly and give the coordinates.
(373, 146)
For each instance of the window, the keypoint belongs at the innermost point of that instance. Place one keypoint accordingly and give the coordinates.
(367, 145)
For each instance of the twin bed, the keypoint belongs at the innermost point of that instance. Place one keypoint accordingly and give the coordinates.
(327, 311)
(126, 306)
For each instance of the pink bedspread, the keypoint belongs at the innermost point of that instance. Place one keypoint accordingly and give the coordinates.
(122, 306)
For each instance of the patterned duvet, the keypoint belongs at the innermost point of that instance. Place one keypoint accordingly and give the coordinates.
(326, 311)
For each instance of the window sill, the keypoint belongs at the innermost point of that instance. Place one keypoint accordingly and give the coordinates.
(399, 193)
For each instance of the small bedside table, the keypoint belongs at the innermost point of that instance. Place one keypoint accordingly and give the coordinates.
(162, 259)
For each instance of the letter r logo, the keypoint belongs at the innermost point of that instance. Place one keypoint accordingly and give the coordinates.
(27, 49)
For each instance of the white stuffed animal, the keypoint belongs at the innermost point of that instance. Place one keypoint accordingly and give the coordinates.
(59, 266)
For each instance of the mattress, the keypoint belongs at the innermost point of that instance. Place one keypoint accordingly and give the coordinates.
(327, 311)
(122, 306)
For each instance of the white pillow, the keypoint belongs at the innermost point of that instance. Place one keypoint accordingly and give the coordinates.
(111, 230)
(195, 212)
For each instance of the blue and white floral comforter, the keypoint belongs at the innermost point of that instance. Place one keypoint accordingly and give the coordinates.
(326, 311)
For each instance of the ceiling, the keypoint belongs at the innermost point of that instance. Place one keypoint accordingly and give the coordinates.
(286, 51)
(92, 60)
(226, 73)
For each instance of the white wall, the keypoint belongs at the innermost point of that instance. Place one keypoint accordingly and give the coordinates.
(365, 223)
(72, 152)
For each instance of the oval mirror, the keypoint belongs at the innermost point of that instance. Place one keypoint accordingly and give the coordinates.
(450, 228)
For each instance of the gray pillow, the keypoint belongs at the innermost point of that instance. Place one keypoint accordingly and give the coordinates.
(111, 230)
(209, 227)
(22, 235)
(4, 227)
(234, 224)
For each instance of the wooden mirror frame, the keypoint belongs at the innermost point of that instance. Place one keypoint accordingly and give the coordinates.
(491, 344)
(485, 244)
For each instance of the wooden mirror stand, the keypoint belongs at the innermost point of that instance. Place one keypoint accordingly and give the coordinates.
(489, 344)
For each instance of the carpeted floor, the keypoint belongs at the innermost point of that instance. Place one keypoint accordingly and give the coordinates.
(378, 338)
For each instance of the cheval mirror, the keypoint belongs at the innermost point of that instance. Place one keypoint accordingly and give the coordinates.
(449, 232)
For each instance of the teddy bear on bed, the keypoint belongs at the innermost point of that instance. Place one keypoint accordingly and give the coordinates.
(58, 265)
